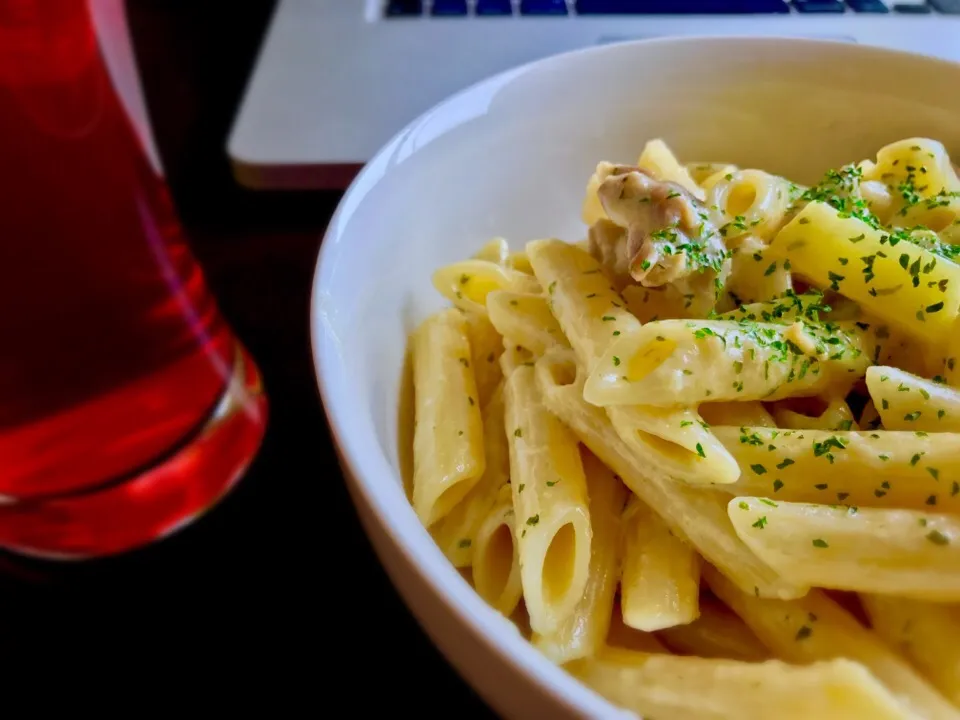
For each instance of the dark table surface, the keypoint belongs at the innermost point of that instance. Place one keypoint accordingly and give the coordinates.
(279, 580)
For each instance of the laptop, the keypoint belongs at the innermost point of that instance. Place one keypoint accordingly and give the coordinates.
(336, 79)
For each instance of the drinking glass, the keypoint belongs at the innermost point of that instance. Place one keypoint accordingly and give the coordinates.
(127, 406)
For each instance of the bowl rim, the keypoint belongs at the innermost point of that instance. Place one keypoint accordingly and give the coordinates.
(442, 578)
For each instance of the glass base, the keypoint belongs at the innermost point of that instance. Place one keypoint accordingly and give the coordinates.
(106, 520)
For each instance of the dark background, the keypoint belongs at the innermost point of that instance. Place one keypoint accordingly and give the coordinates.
(278, 585)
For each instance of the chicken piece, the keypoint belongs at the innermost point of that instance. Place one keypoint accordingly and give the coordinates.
(669, 234)
(607, 242)
(658, 234)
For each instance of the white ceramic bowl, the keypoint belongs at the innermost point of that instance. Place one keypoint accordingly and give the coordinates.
(510, 156)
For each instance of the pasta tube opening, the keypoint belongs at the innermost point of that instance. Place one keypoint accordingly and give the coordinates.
(559, 565)
(496, 568)
(466, 284)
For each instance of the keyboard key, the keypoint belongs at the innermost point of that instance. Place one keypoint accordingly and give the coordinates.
(449, 7)
(494, 7)
(947, 7)
(679, 7)
(399, 8)
(543, 7)
(911, 9)
(819, 6)
(868, 6)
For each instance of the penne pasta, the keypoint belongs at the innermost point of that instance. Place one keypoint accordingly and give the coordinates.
(588, 309)
(622, 636)
(815, 628)
(582, 634)
(685, 362)
(900, 162)
(927, 634)
(456, 532)
(751, 201)
(552, 525)
(495, 562)
(520, 262)
(658, 160)
(700, 172)
(907, 402)
(693, 515)
(678, 443)
(896, 552)
(686, 688)
(717, 633)
(596, 425)
(591, 315)
(466, 284)
(660, 585)
(649, 304)
(902, 284)
(592, 209)
(448, 456)
(495, 250)
(486, 346)
(526, 319)
(754, 275)
(872, 469)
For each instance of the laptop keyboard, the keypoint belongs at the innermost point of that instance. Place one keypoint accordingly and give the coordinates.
(540, 8)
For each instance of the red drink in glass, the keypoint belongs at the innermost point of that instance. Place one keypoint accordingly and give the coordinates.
(127, 406)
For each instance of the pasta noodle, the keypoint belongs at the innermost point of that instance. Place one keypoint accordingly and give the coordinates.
(698, 517)
(552, 525)
(660, 586)
(725, 424)
(907, 402)
(878, 469)
(467, 283)
(584, 631)
(486, 346)
(751, 201)
(448, 456)
(671, 363)
(904, 284)
(495, 562)
(815, 628)
(456, 533)
(897, 552)
(526, 319)
(698, 688)
(593, 317)
(928, 634)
